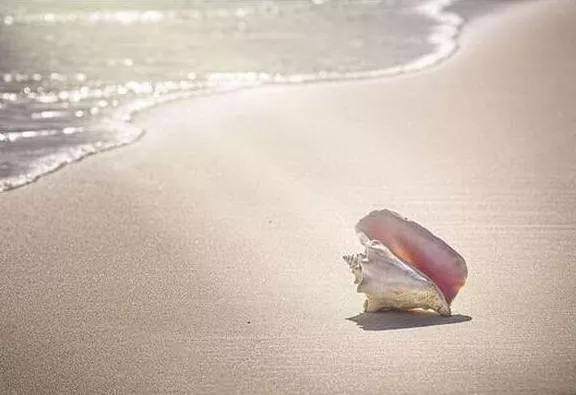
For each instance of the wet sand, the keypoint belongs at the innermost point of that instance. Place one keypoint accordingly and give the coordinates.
(207, 257)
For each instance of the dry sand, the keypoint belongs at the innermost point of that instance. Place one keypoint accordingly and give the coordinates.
(206, 258)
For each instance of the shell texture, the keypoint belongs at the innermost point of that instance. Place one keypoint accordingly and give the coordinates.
(404, 265)
(390, 283)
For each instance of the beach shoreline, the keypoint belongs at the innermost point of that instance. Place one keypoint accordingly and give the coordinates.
(206, 258)
(30, 155)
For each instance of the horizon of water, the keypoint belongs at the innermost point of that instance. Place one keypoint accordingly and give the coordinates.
(73, 74)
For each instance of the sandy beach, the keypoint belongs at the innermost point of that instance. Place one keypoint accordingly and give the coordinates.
(206, 258)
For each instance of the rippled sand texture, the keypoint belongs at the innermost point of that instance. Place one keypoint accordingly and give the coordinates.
(207, 257)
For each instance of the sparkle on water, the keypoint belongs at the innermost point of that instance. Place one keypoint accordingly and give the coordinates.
(73, 79)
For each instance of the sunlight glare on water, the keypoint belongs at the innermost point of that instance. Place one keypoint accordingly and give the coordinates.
(73, 73)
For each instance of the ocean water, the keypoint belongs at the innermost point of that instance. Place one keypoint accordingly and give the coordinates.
(72, 73)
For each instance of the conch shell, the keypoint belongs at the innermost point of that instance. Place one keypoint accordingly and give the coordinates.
(405, 266)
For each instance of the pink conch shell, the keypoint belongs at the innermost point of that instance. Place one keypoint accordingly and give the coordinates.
(417, 247)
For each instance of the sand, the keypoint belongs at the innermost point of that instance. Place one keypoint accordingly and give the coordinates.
(207, 257)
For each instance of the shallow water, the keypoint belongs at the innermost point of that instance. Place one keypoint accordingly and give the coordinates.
(73, 73)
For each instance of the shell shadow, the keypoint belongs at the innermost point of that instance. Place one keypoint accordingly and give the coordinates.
(391, 320)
